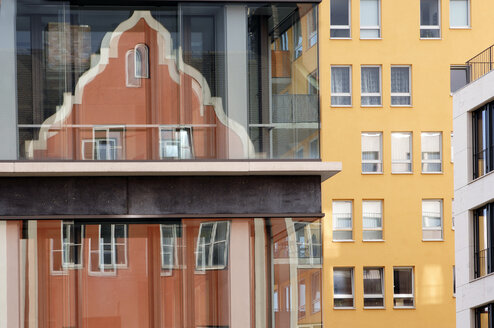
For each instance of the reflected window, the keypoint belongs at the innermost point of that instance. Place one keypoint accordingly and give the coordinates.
(113, 245)
(313, 83)
(342, 220)
(314, 148)
(301, 298)
(141, 61)
(309, 244)
(431, 152)
(168, 246)
(340, 19)
(403, 296)
(212, 245)
(297, 39)
(106, 144)
(401, 152)
(176, 143)
(432, 219)
(429, 19)
(372, 220)
(341, 85)
(316, 292)
(373, 287)
(371, 152)
(370, 85)
(343, 287)
(401, 94)
(72, 249)
(312, 26)
(131, 79)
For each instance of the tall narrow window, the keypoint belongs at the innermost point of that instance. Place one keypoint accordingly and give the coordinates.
(72, 245)
(343, 287)
(401, 152)
(371, 152)
(431, 152)
(429, 19)
(370, 19)
(342, 220)
(373, 287)
(312, 26)
(113, 245)
(313, 83)
(141, 61)
(432, 219)
(483, 140)
(459, 13)
(130, 70)
(212, 245)
(341, 85)
(309, 243)
(401, 86)
(297, 40)
(168, 246)
(176, 143)
(484, 316)
(372, 220)
(403, 295)
(483, 229)
(301, 298)
(316, 292)
(370, 85)
(340, 19)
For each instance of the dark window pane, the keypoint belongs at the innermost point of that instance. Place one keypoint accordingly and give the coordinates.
(339, 12)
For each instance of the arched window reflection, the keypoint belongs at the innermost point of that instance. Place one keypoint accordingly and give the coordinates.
(130, 71)
(141, 61)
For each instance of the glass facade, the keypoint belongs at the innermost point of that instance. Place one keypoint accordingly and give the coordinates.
(168, 273)
(173, 81)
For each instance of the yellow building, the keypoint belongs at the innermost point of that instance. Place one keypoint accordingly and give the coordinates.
(386, 113)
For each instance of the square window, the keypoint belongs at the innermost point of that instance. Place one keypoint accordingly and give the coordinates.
(401, 152)
(371, 152)
(459, 13)
(370, 86)
(403, 287)
(431, 152)
(372, 220)
(401, 94)
(370, 19)
(342, 220)
(432, 219)
(340, 19)
(430, 19)
(373, 287)
(343, 287)
(341, 85)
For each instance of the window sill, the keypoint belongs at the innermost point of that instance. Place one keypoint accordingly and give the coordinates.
(343, 308)
(432, 39)
(371, 106)
(482, 277)
(372, 173)
(460, 28)
(375, 308)
(344, 241)
(373, 240)
(402, 173)
(404, 307)
(334, 38)
(370, 39)
(341, 106)
(433, 240)
(432, 173)
(401, 106)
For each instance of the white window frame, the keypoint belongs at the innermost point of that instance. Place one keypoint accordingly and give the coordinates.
(440, 228)
(67, 246)
(94, 141)
(432, 161)
(408, 161)
(113, 245)
(342, 27)
(376, 27)
(381, 269)
(373, 161)
(340, 94)
(311, 35)
(209, 261)
(468, 13)
(141, 50)
(381, 228)
(174, 129)
(412, 295)
(342, 229)
(372, 94)
(402, 94)
(431, 27)
(166, 269)
(345, 296)
(131, 81)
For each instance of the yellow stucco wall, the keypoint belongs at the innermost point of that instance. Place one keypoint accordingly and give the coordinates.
(402, 195)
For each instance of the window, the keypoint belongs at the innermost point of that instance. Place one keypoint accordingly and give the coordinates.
(106, 144)
(401, 94)
(372, 220)
(314, 148)
(431, 152)
(113, 245)
(212, 245)
(483, 229)
(484, 316)
(301, 298)
(370, 86)
(370, 20)
(131, 80)
(459, 77)
(373, 287)
(176, 143)
(343, 287)
(371, 152)
(340, 19)
(403, 287)
(141, 61)
(297, 40)
(429, 19)
(342, 220)
(312, 26)
(72, 248)
(483, 140)
(169, 234)
(284, 41)
(432, 219)
(401, 152)
(309, 243)
(316, 292)
(459, 13)
(313, 83)
(341, 85)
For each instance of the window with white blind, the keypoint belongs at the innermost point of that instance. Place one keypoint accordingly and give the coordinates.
(372, 220)
(432, 219)
(341, 85)
(370, 19)
(430, 20)
(371, 152)
(401, 152)
(403, 287)
(459, 13)
(370, 86)
(343, 288)
(340, 19)
(373, 287)
(342, 220)
(431, 152)
(401, 94)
